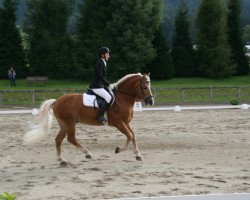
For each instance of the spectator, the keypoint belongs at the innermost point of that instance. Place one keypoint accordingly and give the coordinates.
(12, 77)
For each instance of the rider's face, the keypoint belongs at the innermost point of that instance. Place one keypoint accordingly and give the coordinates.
(106, 56)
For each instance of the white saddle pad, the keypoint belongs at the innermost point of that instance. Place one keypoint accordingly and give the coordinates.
(90, 100)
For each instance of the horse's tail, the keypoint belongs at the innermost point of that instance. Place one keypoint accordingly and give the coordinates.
(41, 130)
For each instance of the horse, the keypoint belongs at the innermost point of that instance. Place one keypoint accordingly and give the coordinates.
(69, 110)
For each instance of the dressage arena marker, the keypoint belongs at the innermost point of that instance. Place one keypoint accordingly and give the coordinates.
(242, 196)
(138, 107)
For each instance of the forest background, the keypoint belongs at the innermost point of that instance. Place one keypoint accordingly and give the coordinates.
(60, 38)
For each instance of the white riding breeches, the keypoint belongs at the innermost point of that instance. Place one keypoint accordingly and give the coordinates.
(103, 93)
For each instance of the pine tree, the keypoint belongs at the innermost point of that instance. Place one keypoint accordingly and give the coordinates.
(161, 67)
(92, 33)
(51, 48)
(182, 50)
(234, 37)
(214, 51)
(246, 34)
(11, 49)
(131, 30)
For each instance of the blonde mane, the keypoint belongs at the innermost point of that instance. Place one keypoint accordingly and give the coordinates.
(124, 78)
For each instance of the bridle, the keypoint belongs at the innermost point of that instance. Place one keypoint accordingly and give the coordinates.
(142, 95)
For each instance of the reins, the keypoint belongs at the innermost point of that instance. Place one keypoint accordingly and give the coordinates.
(131, 95)
(125, 93)
(141, 96)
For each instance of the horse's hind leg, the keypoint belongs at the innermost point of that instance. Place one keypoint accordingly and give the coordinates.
(61, 135)
(72, 139)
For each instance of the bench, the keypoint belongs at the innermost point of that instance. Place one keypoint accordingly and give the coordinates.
(37, 79)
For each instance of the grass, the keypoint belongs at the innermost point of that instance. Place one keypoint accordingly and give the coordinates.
(165, 91)
(7, 196)
(51, 85)
(176, 82)
(203, 82)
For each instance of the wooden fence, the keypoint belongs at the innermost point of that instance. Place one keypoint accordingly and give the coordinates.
(33, 98)
(202, 94)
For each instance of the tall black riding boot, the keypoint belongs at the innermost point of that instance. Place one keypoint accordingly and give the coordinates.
(103, 108)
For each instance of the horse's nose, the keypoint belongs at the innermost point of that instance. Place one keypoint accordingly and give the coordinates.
(149, 100)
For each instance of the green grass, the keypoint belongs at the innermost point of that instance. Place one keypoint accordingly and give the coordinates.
(165, 91)
(21, 95)
(7, 196)
(215, 94)
(176, 82)
(51, 84)
(202, 82)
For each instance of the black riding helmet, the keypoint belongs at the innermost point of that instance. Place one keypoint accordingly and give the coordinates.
(103, 50)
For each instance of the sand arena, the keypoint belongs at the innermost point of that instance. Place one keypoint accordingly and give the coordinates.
(188, 152)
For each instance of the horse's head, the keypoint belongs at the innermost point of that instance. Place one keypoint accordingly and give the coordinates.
(146, 93)
(137, 86)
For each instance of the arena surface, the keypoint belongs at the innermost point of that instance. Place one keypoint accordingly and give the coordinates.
(184, 153)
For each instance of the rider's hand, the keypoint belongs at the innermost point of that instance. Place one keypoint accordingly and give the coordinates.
(111, 86)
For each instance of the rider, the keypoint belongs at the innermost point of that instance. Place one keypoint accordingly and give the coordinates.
(100, 83)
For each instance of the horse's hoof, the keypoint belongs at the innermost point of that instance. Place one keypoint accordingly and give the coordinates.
(117, 150)
(63, 163)
(138, 158)
(88, 156)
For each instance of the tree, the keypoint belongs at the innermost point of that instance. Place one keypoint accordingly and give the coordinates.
(94, 16)
(234, 37)
(131, 31)
(214, 51)
(161, 67)
(11, 49)
(51, 48)
(246, 33)
(182, 50)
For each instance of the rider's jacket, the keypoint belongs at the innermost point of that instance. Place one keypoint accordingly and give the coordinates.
(100, 75)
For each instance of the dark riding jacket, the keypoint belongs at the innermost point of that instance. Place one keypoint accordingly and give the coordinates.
(100, 77)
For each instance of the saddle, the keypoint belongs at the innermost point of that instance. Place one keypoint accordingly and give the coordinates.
(90, 99)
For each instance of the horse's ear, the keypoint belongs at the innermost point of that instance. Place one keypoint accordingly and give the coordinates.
(147, 74)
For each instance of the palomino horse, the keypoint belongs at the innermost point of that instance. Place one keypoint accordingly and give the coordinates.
(69, 110)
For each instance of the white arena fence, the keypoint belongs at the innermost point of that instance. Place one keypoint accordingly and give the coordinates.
(138, 107)
(33, 98)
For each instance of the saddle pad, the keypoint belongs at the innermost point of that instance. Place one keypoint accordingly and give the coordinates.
(89, 100)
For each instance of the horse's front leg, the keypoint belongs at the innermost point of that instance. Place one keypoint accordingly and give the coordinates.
(136, 150)
(124, 129)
